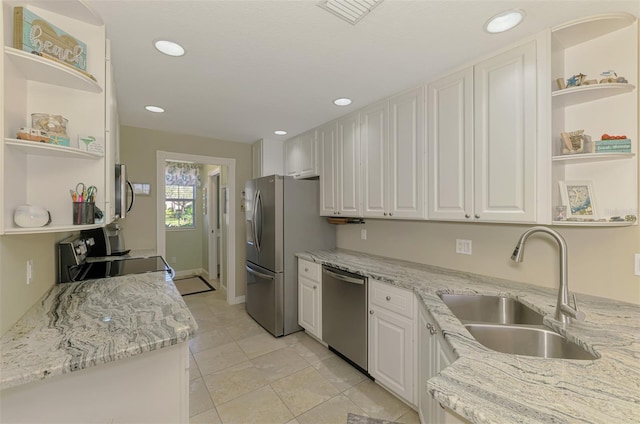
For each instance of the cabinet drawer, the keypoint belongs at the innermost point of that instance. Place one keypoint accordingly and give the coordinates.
(393, 298)
(311, 270)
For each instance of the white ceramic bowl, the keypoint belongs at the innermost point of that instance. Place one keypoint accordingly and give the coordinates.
(29, 216)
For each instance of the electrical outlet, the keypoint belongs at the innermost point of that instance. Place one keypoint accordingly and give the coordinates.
(363, 234)
(636, 262)
(29, 271)
(463, 246)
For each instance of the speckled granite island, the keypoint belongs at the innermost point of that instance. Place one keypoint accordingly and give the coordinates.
(485, 386)
(106, 350)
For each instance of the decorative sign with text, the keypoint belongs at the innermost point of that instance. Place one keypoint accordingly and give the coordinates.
(33, 34)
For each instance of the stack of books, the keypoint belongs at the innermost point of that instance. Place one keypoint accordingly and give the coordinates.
(613, 146)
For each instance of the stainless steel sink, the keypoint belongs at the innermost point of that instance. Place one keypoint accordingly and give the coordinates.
(528, 341)
(491, 309)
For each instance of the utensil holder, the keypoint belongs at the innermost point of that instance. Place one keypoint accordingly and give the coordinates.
(83, 213)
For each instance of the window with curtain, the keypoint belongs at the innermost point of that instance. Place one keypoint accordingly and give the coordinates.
(181, 182)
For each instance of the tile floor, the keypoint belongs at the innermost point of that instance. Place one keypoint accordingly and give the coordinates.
(240, 374)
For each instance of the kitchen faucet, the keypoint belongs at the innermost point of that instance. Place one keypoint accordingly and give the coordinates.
(564, 312)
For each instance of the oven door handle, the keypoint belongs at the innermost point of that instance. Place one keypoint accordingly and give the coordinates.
(259, 274)
(344, 278)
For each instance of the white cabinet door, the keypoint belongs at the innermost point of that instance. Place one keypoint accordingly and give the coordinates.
(327, 145)
(291, 156)
(505, 136)
(391, 351)
(307, 166)
(450, 146)
(406, 155)
(309, 305)
(373, 139)
(348, 182)
(300, 156)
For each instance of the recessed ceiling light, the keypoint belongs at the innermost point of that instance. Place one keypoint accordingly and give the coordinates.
(169, 48)
(342, 102)
(504, 21)
(154, 109)
(280, 132)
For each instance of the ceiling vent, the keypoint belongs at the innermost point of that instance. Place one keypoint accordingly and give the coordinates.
(350, 10)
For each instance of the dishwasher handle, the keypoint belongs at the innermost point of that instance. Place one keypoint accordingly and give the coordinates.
(344, 278)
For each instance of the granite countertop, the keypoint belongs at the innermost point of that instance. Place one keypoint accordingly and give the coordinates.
(83, 324)
(485, 386)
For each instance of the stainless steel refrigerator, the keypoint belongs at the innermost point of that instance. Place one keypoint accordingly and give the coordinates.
(282, 218)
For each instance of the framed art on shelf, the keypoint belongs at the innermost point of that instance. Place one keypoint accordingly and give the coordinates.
(578, 197)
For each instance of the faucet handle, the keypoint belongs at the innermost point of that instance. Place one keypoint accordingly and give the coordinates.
(579, 315)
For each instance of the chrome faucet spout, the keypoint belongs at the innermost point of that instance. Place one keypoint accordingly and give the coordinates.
(564, 312)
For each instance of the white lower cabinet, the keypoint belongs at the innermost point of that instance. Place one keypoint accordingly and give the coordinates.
(391, 339)
(310, 297)
(434, 355)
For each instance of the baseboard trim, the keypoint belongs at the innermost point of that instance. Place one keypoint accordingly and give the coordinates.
(189, 272)
(238, 299)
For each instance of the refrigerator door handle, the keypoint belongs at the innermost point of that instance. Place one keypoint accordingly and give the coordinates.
(258, 219)
(259, 274)
(254, 229)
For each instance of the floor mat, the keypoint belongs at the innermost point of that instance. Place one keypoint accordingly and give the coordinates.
(359, 419)
(192, 285)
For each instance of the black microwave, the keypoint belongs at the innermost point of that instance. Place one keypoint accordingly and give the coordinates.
(124, 195)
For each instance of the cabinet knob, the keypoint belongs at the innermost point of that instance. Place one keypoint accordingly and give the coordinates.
(339, 212)
(466, 215)
(432, 331)
(477, 216)
(315, 287)
(371, 312)
(388, 298)
(306, 270)
(385, 214)
(390, 213)
(429, 326)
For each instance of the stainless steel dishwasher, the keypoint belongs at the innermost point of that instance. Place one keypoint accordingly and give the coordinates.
(344, 315)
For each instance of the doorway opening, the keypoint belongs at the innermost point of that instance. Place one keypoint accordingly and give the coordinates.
(219, 216)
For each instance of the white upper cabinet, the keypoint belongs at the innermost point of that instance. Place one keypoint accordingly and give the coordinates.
(590, 46)
(450, 146)
(300, 156)
(328, 147)
(42, 174)
(348, 165)
(482, 132)
(267, 157)
(392, 146)
(374, 144)
(505, 136)
(405, 155)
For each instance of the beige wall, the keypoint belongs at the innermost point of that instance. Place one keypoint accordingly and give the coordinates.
(600, 259)
(138, 148)
(16, 297)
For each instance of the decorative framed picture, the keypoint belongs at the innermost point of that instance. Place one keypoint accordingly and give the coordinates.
(141, 189)
(578, 197)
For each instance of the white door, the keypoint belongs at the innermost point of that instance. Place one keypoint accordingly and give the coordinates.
(327, 144)
(213, 224)
(406, 155)
(391, 351)
(505, 136)
(373, 149)
(348, 183)
(450, 146)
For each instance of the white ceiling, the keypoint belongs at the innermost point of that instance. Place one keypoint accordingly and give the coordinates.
(256, 66)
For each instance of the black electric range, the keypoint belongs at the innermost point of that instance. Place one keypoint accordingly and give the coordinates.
(82, 257)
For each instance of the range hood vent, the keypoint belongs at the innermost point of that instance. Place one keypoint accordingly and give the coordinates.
(349, 10)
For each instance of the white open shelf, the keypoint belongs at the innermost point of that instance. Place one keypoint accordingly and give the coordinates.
(50, 229)
(594, 223)
(586, 93)
(37, 68)
(591, 157)
(45, 149)
(584, 29)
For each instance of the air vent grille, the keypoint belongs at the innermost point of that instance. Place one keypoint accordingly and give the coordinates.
(349, 10)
